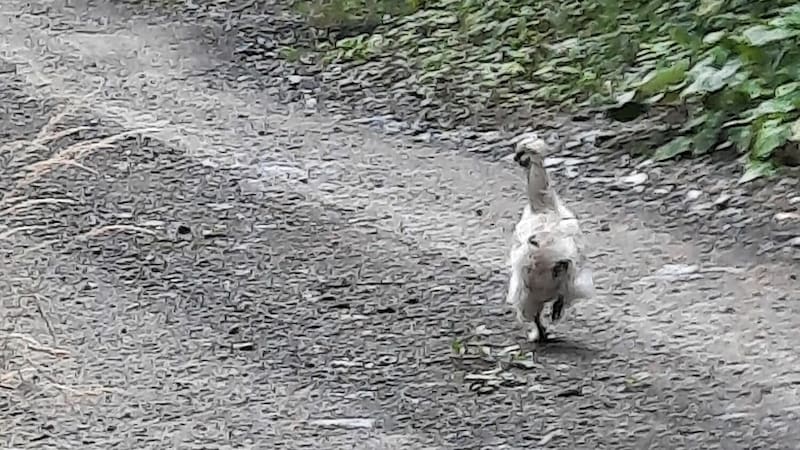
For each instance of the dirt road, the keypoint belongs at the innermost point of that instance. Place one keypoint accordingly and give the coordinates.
(276, 279)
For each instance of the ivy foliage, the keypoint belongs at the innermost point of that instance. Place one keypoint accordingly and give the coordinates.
(734, 65)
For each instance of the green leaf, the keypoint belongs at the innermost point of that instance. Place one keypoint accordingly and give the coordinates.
(694, 122)
(569, 70)
(787, 19)
(756, 169)
(795, 131)
(625, 98)
(753, 88)
(655, 99)
(787, 88)
(684, 38)
(741, 137)
(660, 79)
(673, 148)
(709, 7)
(547, 68)
(709, 79)
(759, 35)
(457, 346)
(708, 135)
(772, 134)
(511, 68)
(713, 37)
(772, 106)
(751, 54)
(351, 43)
(504, 26)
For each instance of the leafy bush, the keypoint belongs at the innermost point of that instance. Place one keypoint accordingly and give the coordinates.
(735, 65)
(353, 15)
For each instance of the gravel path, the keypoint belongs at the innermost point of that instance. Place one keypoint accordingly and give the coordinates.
(274, 279)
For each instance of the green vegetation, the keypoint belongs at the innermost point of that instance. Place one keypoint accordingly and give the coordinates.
(735, 65)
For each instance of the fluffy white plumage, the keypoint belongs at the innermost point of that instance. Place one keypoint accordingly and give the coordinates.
(547, 260)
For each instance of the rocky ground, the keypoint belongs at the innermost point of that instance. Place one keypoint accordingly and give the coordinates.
(202, 262)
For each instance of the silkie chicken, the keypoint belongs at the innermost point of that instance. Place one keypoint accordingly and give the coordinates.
(547, 259)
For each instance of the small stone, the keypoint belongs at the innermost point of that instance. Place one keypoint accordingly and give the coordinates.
(635, 179)
(393, 127)
(639, 378)
(550, 162)
(677, 270)
(294, 79)
(311, 103)
(243, 346)
(663, 190)
(571, 172)
(570, 162)
(491, 136)
(722, 200)
(6, 67)
(786, 216)
(483, 330)
(701, 206)
(549, 437)
(344, 423)
(693, 195)
(795, 242)
(427, 137)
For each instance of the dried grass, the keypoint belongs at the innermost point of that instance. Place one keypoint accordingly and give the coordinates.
(23, 358)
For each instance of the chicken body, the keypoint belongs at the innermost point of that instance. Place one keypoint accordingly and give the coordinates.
(547, 258)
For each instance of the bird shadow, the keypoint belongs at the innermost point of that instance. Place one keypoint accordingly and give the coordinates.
(562, 348)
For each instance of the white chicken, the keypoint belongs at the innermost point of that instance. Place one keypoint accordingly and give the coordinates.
(547, 259)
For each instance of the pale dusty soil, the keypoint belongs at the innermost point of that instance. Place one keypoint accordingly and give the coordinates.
(290, 268)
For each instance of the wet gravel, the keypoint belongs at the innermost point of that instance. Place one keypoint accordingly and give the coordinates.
(202, 304)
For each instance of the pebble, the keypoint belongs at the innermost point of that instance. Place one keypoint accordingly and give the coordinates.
(787, 216)
(693, 195)
(344, 423)
(677, 269)
(662, 190)
(311, 104)
(635, 179)
(491, 136)
(722, 200)
(573, 161)
(550, 162)
(598, 180)
(572, 172)
(701, 206)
